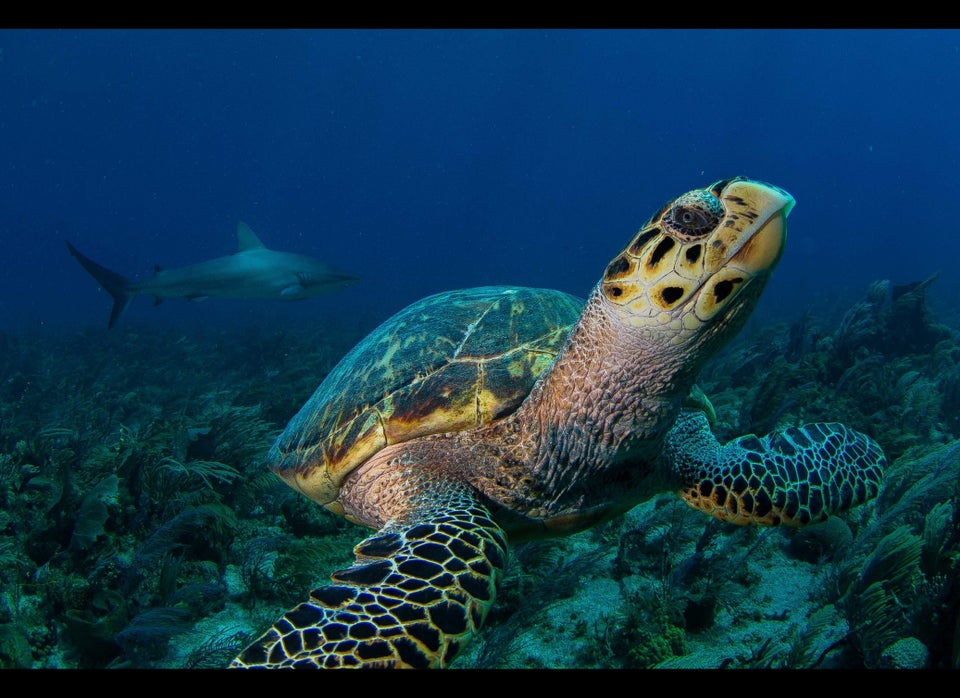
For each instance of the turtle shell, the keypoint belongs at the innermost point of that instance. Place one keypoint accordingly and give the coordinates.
(452, 361)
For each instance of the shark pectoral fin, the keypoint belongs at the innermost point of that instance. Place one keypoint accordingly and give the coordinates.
(157, 300)
(292, 290)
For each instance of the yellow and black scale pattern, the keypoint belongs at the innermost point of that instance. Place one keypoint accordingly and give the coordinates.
(419, 590)
(794, 476)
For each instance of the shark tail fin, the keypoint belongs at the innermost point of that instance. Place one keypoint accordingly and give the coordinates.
(117, 286)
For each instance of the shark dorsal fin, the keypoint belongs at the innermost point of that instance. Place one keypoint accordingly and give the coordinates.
(247, 239)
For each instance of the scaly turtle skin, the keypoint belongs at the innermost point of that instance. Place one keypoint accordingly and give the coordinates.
(480, 416)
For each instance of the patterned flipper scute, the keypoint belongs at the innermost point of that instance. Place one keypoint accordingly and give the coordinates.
(794, 476)
(417, 593)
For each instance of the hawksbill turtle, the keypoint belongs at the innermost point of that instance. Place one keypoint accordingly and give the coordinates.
(478, 417)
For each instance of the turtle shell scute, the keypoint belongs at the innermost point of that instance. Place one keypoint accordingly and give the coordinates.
(452, 361)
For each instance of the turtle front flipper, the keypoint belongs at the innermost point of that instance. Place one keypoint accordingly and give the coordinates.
(417, 593)
(794, 476)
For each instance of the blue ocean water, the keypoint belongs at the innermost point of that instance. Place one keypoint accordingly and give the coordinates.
(138, 527)
(425, 160)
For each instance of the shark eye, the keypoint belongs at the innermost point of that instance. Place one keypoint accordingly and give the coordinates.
(693, 215)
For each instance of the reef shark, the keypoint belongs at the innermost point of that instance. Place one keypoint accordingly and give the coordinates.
(253, 271)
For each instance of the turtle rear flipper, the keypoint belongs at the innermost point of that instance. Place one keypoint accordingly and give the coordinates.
(417, 593)
(793, 476)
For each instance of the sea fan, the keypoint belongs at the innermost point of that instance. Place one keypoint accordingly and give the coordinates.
(94, 512)
(914, 486)
(209, 472)
(219, 650)
(939, 532)
(145, 639)
(195, 527)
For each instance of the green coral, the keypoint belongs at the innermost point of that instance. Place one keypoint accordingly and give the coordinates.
(134, 507)
(15, 652)
(878, 595)
(653, 646)
(905, 653)
(91, 630)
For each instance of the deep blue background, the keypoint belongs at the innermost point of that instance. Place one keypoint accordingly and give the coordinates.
(431, 159)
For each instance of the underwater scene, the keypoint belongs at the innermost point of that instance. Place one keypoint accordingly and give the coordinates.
(210, 240)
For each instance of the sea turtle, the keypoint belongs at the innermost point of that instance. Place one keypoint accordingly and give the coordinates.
(482, 416)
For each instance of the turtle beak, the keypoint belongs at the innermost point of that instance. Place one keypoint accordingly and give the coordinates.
(760, 248)
(748, 244)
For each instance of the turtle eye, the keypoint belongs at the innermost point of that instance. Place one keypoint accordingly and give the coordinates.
(693, 215)
(692, 218)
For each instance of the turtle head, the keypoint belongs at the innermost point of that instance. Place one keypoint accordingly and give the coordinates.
(700, 262)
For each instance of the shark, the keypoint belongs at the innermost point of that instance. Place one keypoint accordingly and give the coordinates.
(253, 271)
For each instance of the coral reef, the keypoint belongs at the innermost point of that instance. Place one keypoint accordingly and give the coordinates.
(138, 528)
(131, 488)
